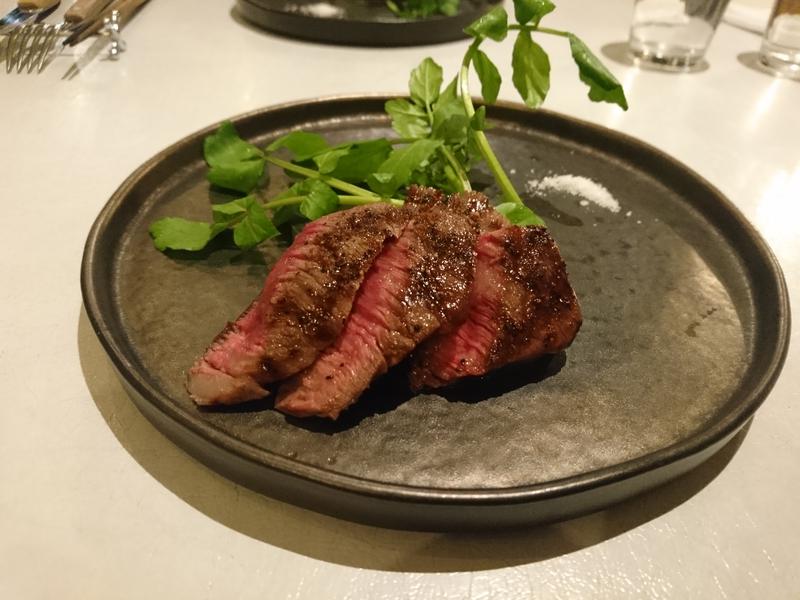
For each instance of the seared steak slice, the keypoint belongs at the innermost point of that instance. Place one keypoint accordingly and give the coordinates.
(472, 204)
(301, 310)
(418, 282)
(521, 306)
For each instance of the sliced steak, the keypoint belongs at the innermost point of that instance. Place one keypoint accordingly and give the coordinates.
(419, 281)
(472, 204)
(301, 310)
(521, 306)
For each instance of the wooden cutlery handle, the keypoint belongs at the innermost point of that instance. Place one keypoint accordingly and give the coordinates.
(83, 10)
(37, 4)
(126, 9)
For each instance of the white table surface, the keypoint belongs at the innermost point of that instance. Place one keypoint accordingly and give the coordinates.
(94, 503)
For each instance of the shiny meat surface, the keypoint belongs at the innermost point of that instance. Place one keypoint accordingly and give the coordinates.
(302, 308)
(521, 307)
(418, 283)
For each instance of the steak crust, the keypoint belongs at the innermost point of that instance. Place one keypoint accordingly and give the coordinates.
(521, 307)
(474, 205)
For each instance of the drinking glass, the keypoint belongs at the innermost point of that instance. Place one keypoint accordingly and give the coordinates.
(780, 46)
(674, 34)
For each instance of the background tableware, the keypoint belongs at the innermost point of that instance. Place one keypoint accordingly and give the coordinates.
(26, 11)
(358, 23)
(30, 45)
(674, 34)
(780, 47)
(751, 15)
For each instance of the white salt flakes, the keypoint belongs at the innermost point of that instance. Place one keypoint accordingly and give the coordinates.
(586, 188)
(629, 213)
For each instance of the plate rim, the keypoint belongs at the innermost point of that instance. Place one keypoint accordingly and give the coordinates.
(693, 444)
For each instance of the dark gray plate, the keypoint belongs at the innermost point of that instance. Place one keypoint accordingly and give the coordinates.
(359, 22)
(686, 328)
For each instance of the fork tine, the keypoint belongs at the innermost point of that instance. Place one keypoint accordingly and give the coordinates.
(17, 55)
(47, 45)
(11, 43)
(24, 44)
(32, 47)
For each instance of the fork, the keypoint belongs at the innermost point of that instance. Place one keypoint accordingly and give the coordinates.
(30, 44)
(25, 11)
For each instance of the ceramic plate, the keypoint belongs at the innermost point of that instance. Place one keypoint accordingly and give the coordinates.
(686, 328)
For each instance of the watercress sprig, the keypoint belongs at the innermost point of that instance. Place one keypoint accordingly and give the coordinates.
(531, 78)
(441, 137)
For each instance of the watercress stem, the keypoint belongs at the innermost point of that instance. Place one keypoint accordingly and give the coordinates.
(331, 181)
(284, 201)
(344, 200)
(506, 187)
(359, 200)
(462, 180)
(546, 30)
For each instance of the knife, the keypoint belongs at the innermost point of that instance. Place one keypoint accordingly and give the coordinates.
(25, 11)
(125, 10)
(83, 11)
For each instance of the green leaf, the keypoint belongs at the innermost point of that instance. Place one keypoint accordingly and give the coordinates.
(488, 75)
(450, 128)
(235, 164)
(494, 25)
(532, 10)
(302, 144)
(408, 120)
(320, 200)
(382, 178)
(448, 8)
(402, 162)
(181, 234)
(519, 214)
(231, 212)
(450, 93)
(449, 118)
(240, 176)
(225, 147)
(530, 70)
(296, 189)
(290, 213)
(603, 86)
(478, 120)
(472, 147)
(248, 219)
(425, 82)
(250, 232)
(420, 9)
(354, 162)
(255, 227)
(327, 161)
